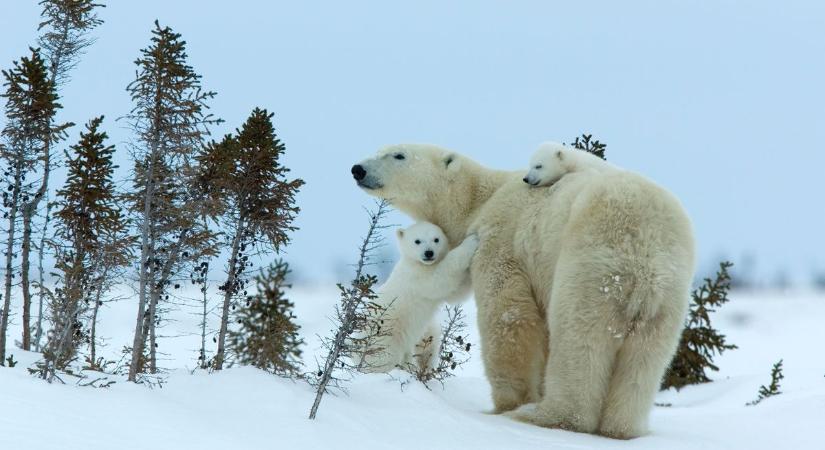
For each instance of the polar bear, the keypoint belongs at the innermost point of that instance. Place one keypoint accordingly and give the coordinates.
(581, 288)
(553, 160)
(427, 275)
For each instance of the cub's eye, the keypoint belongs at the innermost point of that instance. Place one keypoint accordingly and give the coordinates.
(539, 166)
(400, 156)
(417, 242)
(436, 240)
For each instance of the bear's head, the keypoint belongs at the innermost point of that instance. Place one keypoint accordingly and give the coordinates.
(415, 178)
(422, 242)
(547, 164)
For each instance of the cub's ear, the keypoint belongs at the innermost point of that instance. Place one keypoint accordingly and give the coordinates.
(451, 162)
(399, 233)
(560, 155)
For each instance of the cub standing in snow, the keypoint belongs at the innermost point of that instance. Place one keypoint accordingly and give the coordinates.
(553, 160)
(428, 275)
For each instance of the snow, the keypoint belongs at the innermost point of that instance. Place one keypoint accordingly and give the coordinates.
(244, 408)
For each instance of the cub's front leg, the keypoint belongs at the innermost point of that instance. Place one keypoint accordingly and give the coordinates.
(450, 279)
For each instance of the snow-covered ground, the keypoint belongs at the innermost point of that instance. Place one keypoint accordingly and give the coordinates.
(242, 408)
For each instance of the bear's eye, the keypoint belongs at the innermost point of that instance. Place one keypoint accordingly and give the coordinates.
(417, 242)
(436, 240)
(400, 156)
(538, 166)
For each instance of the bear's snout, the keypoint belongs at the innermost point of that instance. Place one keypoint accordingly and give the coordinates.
(429, 254)
(525, 180)
(358, 172)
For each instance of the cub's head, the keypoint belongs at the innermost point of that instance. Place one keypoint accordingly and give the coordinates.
(413, 177)
(547, 165)
(422, 242)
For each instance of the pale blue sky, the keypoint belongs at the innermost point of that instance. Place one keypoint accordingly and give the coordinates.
(722, 102)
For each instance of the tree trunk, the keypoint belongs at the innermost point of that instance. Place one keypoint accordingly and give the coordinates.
(146, 255)
(155, 291)
(4, 320)
(24, 278)
(227, 295)
(93, 331)
(93, 335)
(41, 292)
(203, 324)
(152, 321)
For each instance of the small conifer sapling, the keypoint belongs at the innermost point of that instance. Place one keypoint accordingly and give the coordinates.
(267, 335)
(452, 349)
(357, 318)
(700, 342)
(773, 388)
(590, 145)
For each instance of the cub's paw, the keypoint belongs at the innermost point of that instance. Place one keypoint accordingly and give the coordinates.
(470, 243)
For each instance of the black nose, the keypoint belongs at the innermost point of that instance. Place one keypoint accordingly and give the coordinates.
(358, 172)
(428, 254)
(523, 179)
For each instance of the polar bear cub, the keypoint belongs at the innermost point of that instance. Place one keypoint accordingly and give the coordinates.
(553, 160)
(427, 275)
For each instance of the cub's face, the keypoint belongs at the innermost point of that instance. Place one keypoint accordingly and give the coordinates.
(411, 176)
(546, 166)
(423, 242)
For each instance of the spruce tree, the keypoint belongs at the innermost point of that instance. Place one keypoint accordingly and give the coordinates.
(267, 336)
(245, 179)
(64, 37)
(700, 342)
(91, 242)
(31, 105)
(170, 120)
(590, 145)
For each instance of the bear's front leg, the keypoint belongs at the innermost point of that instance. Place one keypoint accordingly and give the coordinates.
(513, 338)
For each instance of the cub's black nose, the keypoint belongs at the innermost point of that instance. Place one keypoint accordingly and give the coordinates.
(428, 254)
(525, 180)
(358, 172)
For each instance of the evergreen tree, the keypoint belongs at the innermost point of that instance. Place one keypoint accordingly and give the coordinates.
(91, 242)
(588, 144)
(358, 319)
(31, 104)
(700, 342)
(65, 27)
(771, 389)
(170, 119)
(255, 203)
(267, 337)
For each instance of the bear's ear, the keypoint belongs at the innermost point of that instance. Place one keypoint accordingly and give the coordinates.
(451, 162)
(399, 233)
(560, 155)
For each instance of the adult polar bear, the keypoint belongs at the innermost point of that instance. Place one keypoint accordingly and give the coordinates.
(594, 271)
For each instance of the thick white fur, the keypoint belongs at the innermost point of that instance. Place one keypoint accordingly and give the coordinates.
(418, 286)
(593, 271)
(553, 160)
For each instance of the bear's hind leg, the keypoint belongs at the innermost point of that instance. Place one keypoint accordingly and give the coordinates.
(640, 365)
(583, 346)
